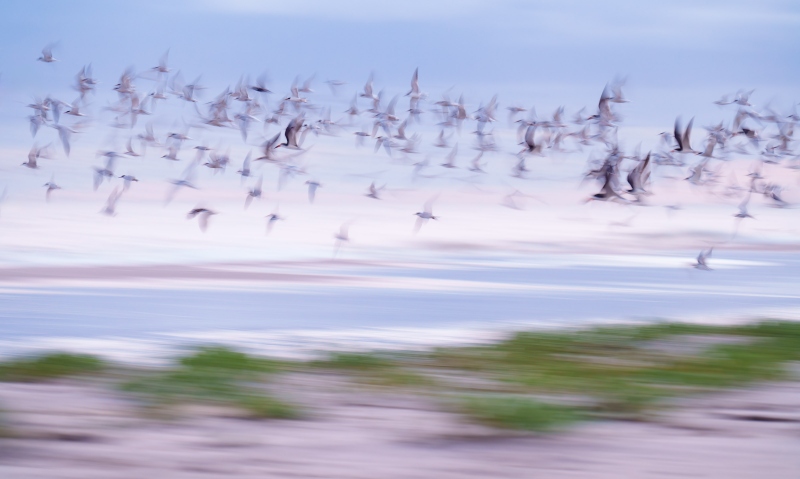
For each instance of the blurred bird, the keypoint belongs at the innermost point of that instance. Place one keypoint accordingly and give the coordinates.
(424, 215)
(341, 237)
(254, 192)
(203, 215)
(702, 258)
(51, 186)
(111, 202)
(47, 54)
(374, 192)
(127, 180)
(312, 189)
(272, 218)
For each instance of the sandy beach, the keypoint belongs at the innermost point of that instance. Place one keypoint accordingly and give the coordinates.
(80, 430)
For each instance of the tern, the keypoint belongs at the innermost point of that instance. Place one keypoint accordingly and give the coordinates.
(254, 192)
(51, 186)
(341, 237)
(368, 93)
(292, 129)
(107, 171)
(203, 215)
(374, 192)
(272, 218)
(111, 203)
(424, 215)
(451, 158)
(743, 208)
(33, 156)
(186, 181)
(47, 55)
(683, 138)
(702, 260)
(312, 189)
(127, 180)
(245, 171)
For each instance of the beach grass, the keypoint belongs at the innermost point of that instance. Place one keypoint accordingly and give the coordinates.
(532, 380)
(375, 369)
(355, 361)
(520, 413)
(216, 375)
(50, 366)
(627, 371)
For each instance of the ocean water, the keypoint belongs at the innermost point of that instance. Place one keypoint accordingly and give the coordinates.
(296, 310)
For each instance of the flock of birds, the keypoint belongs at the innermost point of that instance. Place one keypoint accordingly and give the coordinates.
(623, 177)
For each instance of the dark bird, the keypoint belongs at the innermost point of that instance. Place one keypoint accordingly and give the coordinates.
(203, 215)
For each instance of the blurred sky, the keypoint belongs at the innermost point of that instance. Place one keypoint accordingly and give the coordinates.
(678, 55)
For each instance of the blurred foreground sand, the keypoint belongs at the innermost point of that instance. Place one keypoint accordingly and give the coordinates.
(77, 430)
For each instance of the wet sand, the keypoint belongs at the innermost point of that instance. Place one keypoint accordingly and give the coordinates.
(78, 430)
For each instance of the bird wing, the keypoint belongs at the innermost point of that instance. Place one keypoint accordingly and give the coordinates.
(418, 224)
(63, 134)
(687, 135)
(98, 178)
(112, 199)
(415, 81)
(677, 134)
(203, 220)
(529, 137)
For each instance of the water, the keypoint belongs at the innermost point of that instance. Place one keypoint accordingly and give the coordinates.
(330, 305)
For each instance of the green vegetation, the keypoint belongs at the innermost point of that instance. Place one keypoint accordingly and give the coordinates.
(355, 362)
(214, 375)
(225, 360)
(375, 369)
(49, 366)
(620, 370)
(520, 413)
(624, 372)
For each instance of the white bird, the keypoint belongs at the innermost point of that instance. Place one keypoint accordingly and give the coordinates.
(424, 215)
(368, 93)
(33, 156)
(64, 134)
(451, 158)
(476, 165)
(743, 208)
(111, 202)
(773, 192)
(245, 171)
(47, 55)
(374, 192)
(702, 260)
(107, 171)
(51, 186)
(312, 189)
(162, 64)
(129, 149)
(186, 181)
(127, 180)
(341, 237)
(415, 93)
(254, 192)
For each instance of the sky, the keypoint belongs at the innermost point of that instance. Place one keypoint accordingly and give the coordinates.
(528, 51)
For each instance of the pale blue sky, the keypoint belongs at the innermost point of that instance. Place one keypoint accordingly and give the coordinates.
(528, 51)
